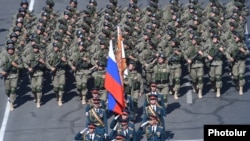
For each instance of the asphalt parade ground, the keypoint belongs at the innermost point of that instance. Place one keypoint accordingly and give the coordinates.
(185, 118)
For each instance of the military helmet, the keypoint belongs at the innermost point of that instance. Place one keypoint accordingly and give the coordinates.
(62, 21)
(36, 46)
(41, 20)
(20, 15)
(58, 38)
(10, 47)
(51, 3)
(19, 21)
(114, 2)
(101, 63)
(17, 29)
(63, 27)
(41, 28)
(173, 2)
(78, 32)
(110, 6)
(69, 8)
(21, 9)
(132, 62)
(193, 1)
(67, 13)
(93, 1)
(59, 45)
(82, 44)
(109, 12)
(74, 1)
(162, 55)
(153, 4)
(103, 42)
(45, 14)
(13, 34)
(9, 41)
(24, 2)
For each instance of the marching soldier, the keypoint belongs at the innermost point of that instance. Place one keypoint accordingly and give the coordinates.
(153, 131)
(80, 64)
(35, 64)
(88, 134)
(98, 116)
(174, 59)
(161, 76)
(9, 71)
(194, 56)
(99, 77)
(215, 59)
(56, 63)
(133, 86)
(237, 53)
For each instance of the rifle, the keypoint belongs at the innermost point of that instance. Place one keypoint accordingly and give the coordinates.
(34, 68)
(6, 69)
(56, 65)
(197, 55)
(215, 55)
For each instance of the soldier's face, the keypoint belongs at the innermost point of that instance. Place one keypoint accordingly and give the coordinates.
(95, 95)
(131, 67)
(215, 40)
(152, 101)
(35, 50)
(153, 88)
(124, 125)
(91, 130)
(160, 60)
(10, 51)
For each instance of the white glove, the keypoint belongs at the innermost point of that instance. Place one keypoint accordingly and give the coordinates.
(145, 123)
(84, 130)
(117, 117)
(105, 135)
(87, 113)
(115, 126)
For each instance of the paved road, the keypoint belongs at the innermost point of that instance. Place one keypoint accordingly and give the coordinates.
(184, 121)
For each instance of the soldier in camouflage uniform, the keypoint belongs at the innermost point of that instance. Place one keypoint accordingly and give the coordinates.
(56, 63)
(9, 70)
(174, 57)
(214, 55)
(35, 64)
(133, 84)
(161, 76)
(194, 56)
(99, 77)
(237, 53)
(80, 64)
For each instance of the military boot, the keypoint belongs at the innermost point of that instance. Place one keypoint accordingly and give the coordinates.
(218, 92)
(59, 100)
(83, 99)
(176, 95)
(38, 103)
(11, 106)
(241, 90)
(200, 93)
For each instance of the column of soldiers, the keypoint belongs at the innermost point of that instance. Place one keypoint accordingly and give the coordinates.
(158, 44)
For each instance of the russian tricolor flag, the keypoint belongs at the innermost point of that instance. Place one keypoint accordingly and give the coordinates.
(113, 84)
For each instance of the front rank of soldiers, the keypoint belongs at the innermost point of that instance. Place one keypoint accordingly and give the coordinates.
(158, 44)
